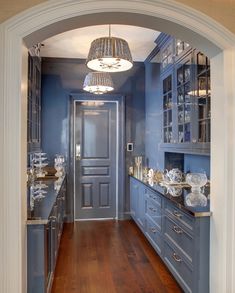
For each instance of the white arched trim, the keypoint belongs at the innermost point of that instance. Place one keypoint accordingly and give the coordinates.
(52, 17)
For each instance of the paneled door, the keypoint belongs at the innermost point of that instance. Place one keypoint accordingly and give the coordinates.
(95, 139)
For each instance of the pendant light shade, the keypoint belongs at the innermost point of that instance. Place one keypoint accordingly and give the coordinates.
(109, 54)
(98, 83)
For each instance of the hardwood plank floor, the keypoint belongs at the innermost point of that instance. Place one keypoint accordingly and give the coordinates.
(109, 257)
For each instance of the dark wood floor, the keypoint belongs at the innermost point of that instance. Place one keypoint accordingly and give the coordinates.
(108, 257)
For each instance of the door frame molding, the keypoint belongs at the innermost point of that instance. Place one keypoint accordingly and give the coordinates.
(120, 156)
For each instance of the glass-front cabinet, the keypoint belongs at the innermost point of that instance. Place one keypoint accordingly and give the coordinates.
(186, 101)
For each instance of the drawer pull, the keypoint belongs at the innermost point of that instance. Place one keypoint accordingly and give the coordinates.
(154, 230)
(177, 214)
(152, 209)
(176, 257)
(177, 230)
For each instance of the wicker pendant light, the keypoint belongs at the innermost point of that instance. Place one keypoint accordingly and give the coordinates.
(109, 54)
(98, 83)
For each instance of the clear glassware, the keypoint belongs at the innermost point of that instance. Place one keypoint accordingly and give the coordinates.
(196, 197)
(173, 176)
(174, 191)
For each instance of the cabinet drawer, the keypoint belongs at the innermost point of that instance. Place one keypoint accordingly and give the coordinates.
(153, 196)
(179, 237)
(154, 235)
(179, 216)
(179, 268)
(154, 211)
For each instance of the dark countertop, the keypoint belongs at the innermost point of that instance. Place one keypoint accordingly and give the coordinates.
(43, 207)
(180, 200)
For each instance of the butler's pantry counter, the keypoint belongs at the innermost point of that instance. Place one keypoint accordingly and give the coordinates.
(179, 233)
(44, 229)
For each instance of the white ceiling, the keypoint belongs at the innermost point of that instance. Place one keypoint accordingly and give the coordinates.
(76, 43)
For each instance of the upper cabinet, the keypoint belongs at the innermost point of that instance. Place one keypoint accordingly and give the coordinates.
(34, 104)
(185, 79)
(167, 55)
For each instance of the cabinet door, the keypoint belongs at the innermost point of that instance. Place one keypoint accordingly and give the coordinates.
(141, 205)
(167, 90)
(184, 100)
(202, 98)
(34, 104)
(133, 197)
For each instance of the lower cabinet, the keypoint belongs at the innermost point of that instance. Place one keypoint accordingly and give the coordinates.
(43, 239)
(181, 240)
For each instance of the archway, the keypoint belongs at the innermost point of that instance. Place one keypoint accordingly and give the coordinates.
(57, 16)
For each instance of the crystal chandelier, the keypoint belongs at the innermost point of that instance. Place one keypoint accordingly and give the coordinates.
(109, 54)
(98, 83)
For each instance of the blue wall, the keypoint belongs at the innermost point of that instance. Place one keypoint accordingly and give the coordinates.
(153, 123)
(61, 76)
(196, 163)
(55, 130)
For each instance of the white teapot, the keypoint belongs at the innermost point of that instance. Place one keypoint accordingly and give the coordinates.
(173, 176)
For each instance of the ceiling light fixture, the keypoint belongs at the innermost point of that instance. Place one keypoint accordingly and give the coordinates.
(98, 83)
(109, 54)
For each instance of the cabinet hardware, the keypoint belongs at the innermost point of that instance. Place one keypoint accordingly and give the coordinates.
(176, 257)
(177, 214)
(154, 230)
(152, 209)
(177, 230)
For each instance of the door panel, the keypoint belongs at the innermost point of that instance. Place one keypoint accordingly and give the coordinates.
(95, 160)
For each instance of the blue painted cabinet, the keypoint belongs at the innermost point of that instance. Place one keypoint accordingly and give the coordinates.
(137, 202)
(180, 239)
(185, 80)
(43, 239)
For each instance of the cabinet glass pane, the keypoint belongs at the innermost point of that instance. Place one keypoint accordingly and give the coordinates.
(202, 85)
(187, 133)
(181, 133)
(180, 114)
(165, 135)
(187, 96)
(187, 113)
(180, 76)
(170, 134)
(165, 118)
(202, 108)
(202, 131)
(179, 47)
(165, 102)
(180, 97)
(201, 62)
(169, 101)
(170, 117)
(187, 73)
